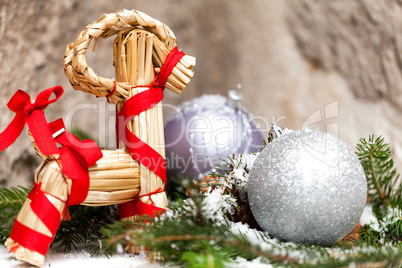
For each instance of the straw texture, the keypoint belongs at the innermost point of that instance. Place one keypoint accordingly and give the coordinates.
(140, 49)
(56, 188)
(113, 179)
(133, 54)
(82, 77)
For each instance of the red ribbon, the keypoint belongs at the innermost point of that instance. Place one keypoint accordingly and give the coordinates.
(171, 61)
(76, 157)
(32, 114)
(138, 207)
(110, 93)
(138, 149)
(47, 213)
(30, 239)
(44, 209)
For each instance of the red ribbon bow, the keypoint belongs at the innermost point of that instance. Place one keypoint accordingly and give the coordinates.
(76, 157)
(32, 114)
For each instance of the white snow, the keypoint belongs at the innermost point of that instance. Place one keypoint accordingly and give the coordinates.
(368, 218)
(216, 205)
(78, 259)
(243, 263)
(381, 226)
(242, 162)
(276, 247)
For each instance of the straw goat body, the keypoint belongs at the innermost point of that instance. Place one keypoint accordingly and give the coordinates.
(140, 49)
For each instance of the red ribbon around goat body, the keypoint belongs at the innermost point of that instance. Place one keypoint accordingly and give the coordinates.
(31, 113)
(76, 157)
(138, 149)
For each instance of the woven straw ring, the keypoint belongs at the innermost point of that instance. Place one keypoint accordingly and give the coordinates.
(82, 77)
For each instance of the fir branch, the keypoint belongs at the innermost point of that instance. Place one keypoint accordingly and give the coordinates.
(181, 242)
(13, 196)
(117, 238)
(174, 244)
(187, 233)
(374, 174)
(376, 158)
(228, 242)
(84, 228)
(193, 234)
(11, 201)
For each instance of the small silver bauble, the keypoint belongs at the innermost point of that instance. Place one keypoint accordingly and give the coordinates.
(308, 187)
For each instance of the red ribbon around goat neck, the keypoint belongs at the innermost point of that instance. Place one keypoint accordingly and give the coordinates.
(32, 114)
(138, 149)
(76, 157)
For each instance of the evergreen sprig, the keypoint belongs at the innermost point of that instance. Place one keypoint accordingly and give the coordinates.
(191, 238)
(198, 230)
(187, 235)
(84, 228)
(385, 196)
(376, 158)
(11, 201)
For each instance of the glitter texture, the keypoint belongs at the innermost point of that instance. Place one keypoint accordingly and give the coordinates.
(308, 187)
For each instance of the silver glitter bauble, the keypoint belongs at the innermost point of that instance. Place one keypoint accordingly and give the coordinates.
(308, 187)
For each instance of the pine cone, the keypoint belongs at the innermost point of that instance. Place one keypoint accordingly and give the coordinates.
(208, 180)
(243, 214)
(353, 236)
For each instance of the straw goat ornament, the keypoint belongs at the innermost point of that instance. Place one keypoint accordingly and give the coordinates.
(73, 172)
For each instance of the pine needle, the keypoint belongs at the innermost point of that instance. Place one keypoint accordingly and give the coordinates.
(190, 235)
(11, 201)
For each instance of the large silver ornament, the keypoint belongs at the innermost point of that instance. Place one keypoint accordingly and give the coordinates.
(308, 187)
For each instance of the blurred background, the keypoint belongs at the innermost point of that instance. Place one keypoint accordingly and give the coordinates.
(331, 65)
